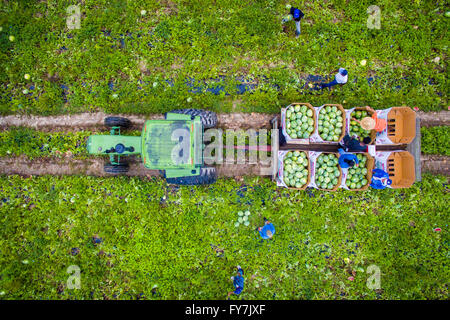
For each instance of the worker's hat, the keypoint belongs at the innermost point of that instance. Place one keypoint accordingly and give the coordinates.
(368, 123)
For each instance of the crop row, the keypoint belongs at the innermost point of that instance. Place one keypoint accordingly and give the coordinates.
(435, 140)
(139, 238)
(154, 62)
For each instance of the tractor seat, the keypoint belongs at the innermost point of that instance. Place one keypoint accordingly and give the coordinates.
(120, 148)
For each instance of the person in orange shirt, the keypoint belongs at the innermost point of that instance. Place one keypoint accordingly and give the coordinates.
(372, 123)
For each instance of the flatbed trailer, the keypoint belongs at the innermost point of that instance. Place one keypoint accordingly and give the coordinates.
(414, 148)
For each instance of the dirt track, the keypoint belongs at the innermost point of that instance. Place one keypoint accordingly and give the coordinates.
(94, 167)
(435, 164)
(431, 119)
(91, 121)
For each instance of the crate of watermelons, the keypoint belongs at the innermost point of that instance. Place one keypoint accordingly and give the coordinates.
(354, 128)
(359, 178)
(330, 125)
(298, 122)
(327, 172)
(293, 169)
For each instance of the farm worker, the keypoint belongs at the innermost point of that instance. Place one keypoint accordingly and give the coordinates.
(219, 251)
(96, 239)
(372, 123)
(238, 282)
(351, 144)
(341, 77)
(267, 231)
(297, 15)
(380, 179)
(347, 160)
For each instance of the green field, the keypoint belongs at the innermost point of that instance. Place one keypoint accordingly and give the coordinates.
(196, 39)
(156, 235)
(158, 241)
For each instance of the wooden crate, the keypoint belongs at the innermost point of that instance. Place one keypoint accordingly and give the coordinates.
(308, 179)
(300, 141)
(340, 107)
(340, 170)
(373, 133)
(370, 164)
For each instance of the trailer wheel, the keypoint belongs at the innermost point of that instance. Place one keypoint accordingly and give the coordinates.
(209, 118)
(116, 168)
(117, 122)
(208, 175)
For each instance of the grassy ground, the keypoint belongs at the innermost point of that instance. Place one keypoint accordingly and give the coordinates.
(157, 242)
(435, 140)
(156, 236)
(180, 39)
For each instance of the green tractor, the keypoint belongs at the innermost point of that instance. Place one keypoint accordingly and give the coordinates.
(173, 145)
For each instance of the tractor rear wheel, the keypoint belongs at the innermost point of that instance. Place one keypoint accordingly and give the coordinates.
(116, 168)
(117, 122)
(208, 175)
(209, 118)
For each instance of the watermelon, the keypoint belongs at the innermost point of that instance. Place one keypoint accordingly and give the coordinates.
(330, 123)
(295, 172)
(357, 177)
(301, 120)
(355, 128)
(327, 171)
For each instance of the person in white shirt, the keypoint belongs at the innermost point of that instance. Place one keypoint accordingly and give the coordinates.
(341, 77)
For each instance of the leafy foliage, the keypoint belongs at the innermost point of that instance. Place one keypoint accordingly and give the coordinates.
(158, 241)
(435, 140)
(122, 61)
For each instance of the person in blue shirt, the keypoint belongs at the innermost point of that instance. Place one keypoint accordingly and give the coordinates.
(267, 231)
(347, 160)
(380, 179)
(296, 15)
(351, 144)
(238, 282)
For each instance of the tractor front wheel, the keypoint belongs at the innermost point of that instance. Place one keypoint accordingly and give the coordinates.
(206, 176)
(209, 118)
(117, 122)
(116, 168)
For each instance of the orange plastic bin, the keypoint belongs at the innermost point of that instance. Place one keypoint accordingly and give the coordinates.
(401, 125)
(401, 169)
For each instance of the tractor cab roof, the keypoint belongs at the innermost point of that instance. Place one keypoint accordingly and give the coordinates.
(170, 143)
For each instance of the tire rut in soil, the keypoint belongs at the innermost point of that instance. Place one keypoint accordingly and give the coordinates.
(244, 121)
(94, 167)
(67, 166)
(435, 164)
